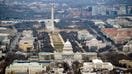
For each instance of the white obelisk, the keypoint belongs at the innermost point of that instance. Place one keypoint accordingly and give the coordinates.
(52, 19)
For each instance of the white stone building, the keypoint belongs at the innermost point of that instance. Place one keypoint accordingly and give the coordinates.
(96, 64)
(99, 23)
(67, 54)
(25, 68)
(26, 42)
(67, 49)
(95, 43)
(84, 35)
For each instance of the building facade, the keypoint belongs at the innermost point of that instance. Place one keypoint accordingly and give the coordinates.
(27, 41)
(84, 35)
(96, 65)
(25, 68)
(67, 54)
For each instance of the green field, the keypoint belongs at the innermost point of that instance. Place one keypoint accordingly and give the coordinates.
(58, 45)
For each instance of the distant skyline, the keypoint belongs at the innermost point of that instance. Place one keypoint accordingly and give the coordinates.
(91, 2)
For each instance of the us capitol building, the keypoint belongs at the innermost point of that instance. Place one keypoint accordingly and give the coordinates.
(67, 54)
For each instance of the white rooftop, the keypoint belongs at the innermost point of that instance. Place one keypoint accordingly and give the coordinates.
(67, 42)
(4, 34)
(3, 28)
(26, 41)
(31, 64)
(97, 61)
(67, 47)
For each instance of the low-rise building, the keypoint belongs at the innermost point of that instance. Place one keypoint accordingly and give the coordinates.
(95, 65)
(4, 38)
(26, 44)
(118, 35)
(5, 34)
(120, 22)
(58, 70)
(25, 68)
(27, 33)
(1, 54)
(127, 63)
(10, 32)
(99, 23)
(84, 35)
(95, 44)
(128, 47)
(27, 41)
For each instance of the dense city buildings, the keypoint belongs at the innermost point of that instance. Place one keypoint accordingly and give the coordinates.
(5, 35)
(65, 37)
(118, 35)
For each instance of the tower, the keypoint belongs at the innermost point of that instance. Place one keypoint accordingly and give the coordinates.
(50, 22)
(52, 18)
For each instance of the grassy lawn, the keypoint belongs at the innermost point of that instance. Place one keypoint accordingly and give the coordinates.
(58, 45)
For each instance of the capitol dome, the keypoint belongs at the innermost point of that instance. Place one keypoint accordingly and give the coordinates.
(67, 47)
